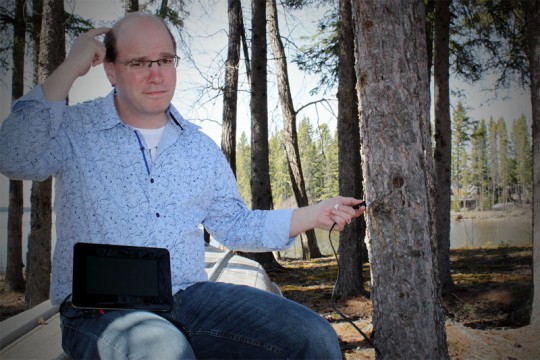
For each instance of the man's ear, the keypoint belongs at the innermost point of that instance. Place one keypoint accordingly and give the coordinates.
(109, 70)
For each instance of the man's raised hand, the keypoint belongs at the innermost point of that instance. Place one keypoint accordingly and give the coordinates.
(87, 51)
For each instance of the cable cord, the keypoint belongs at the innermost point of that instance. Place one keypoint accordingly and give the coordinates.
(333, 299)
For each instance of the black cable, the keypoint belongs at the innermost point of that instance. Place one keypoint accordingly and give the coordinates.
(333, 300)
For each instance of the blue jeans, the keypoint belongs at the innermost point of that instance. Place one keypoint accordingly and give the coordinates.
(224, 321)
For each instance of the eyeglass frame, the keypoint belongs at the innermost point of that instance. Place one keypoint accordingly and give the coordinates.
(149, 63)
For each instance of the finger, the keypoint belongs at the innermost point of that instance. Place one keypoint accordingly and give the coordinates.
(362, 204)
(98, 59)
(340, 217)
(338, 227)
(345, 211)
(97, 31)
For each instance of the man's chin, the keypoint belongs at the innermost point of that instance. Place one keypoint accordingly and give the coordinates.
(156, 106)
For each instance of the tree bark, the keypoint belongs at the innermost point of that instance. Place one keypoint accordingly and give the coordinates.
(38, 258)
(261, 195)
(14, 279)
(351, 239)
(261, 192)
(393, 92)
(230, 91)
(52, 52)
(37, 17)
(289, 124)
(443, 141)
(532, 12)
(430, 9)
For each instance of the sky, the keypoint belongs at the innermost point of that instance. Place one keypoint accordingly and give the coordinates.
(206, 41)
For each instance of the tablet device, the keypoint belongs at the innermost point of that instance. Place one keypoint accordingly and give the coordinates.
(121, 277)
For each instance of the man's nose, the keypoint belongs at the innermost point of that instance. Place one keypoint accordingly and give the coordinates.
(155, 71)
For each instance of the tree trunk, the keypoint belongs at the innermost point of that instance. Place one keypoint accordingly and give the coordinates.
(52, 52)
(430, 8)
(230, 91)
(393, 89)
(443, 142)
(532, 12)
(38, 258)
(14, 279)
(37, 17)
(261, 193)
(289, 124)
(163, 7)
(351, 280)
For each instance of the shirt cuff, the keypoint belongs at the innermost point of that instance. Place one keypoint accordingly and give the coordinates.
(277, 226)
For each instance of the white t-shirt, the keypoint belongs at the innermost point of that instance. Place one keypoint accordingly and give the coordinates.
(152, 138)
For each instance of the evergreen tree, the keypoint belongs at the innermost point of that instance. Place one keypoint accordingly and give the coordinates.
(493, 141)
(243, 168)
(325, 172)
(461, 127)
(523, 157)
(333, 167)
(279, 173)
(504, 169)
(308, 155)
(398, 172)
(320, 55)
(479, 166)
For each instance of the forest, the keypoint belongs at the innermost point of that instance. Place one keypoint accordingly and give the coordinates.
(380, 60)
(492, 163)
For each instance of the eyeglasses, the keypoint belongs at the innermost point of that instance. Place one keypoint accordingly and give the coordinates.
(145, 65)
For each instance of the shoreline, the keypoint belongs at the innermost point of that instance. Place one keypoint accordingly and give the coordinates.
(508, 211)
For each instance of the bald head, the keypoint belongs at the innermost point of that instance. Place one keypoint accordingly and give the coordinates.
(126, 24)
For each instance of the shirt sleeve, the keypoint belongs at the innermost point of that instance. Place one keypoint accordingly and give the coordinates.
(277, 225)
(232, 224)
(28, 136)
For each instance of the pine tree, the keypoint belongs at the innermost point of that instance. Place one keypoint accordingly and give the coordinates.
(279, 172)
(308, 155)
(397, 166)
(504, 170)
(493, 141)
(523, 149)
(461, 126)
(479, 167)
(326, 172)
(243, 168)
(333, 167)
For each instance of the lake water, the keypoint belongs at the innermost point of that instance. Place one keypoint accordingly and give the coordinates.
(465, 233)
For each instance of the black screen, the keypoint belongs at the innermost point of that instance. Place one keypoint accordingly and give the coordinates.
(123, 277)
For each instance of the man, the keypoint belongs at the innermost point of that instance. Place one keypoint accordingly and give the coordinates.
(129, 169)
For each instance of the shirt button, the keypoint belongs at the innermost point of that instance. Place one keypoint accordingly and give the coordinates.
(157, 215)
(152, 180)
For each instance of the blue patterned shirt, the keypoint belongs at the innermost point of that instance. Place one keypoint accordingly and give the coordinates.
(107, 192)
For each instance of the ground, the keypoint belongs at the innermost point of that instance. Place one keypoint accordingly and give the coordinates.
(487, 312)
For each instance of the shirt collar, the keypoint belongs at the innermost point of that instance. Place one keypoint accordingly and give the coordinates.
(109, 116)
(105, 114)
